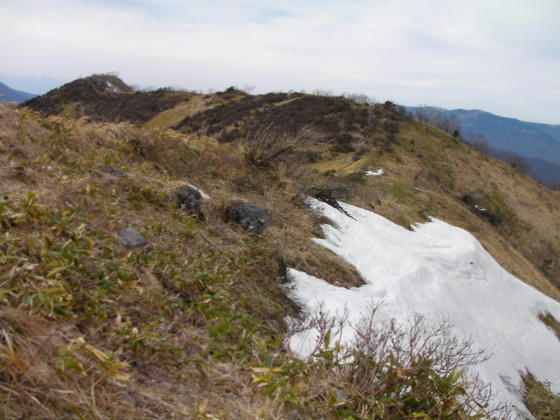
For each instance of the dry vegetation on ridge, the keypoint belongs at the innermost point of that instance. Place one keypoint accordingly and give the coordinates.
(193, 327)
(92, 328)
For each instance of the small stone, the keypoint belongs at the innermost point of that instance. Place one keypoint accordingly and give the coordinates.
(252, 218)
(111, 170)
(283, 265)
(189, 199)
(340, 393)
(131, 238)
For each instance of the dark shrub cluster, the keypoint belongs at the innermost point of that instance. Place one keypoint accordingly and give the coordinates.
(233, 113)
(495, 218)
(390, 127)
(344, 143)
(107, 98)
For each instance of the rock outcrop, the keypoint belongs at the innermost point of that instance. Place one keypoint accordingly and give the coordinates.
(252, 218)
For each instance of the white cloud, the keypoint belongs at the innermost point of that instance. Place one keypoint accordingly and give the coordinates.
(502, 55)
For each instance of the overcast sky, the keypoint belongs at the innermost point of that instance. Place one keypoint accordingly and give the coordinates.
(502, 56)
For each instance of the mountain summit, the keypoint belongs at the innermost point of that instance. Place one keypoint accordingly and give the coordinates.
(105, 97)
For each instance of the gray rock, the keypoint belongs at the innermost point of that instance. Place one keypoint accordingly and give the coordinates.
(252, 218)
(283, 270)
(111, 170)
(131, 238)
(340, 393)
(189, 198)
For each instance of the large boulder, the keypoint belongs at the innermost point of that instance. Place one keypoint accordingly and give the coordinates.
(189, 198)
(252, 218)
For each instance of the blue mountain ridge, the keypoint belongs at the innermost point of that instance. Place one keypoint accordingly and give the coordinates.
(538, 144)
(12, 95)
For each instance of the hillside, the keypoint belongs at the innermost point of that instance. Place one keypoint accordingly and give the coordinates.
(542, 170)
(455, 282)
(347, 137)
(512, 135)
(11, 95)
(193, 323)
(538, 144)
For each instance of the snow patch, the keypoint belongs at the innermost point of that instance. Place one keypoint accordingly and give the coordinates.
(202, 194)
(112, 87)
(443, 273)
(379, 172)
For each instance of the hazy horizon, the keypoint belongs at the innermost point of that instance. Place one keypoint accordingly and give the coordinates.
(502, 56)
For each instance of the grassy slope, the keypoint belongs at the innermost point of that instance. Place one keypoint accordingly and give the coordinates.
(429, 173)
(173, 116)
(205, 305)
(191, 316)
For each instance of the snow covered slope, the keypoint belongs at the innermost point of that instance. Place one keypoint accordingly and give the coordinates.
(443, 273)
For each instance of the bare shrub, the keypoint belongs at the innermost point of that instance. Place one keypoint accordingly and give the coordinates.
(371, 125)
(423, 113)
(479, 142)
(389, 106)
(390, 127)
(322, 92)
(396, 371)
(516, 162)
(360, 151)
(268, 145)
(343, 143)
(402, 110)
(359, 98)
(436, 117)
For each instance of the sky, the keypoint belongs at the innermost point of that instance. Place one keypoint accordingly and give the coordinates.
(502, 56)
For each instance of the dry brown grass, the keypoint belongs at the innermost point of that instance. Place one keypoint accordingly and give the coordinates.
(541, 401)
(551, 322)
(173, 116)
(49, 371)
(200, 276)
(205, 304)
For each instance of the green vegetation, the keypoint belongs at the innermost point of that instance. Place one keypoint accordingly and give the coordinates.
(551, 322)
(541, 401)
(194, 325)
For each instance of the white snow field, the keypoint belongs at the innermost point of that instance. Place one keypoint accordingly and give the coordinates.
(443, 273)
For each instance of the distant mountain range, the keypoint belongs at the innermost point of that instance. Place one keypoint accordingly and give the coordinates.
(528, 139)
(538, 144)
(541, 169)
(12, 95)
